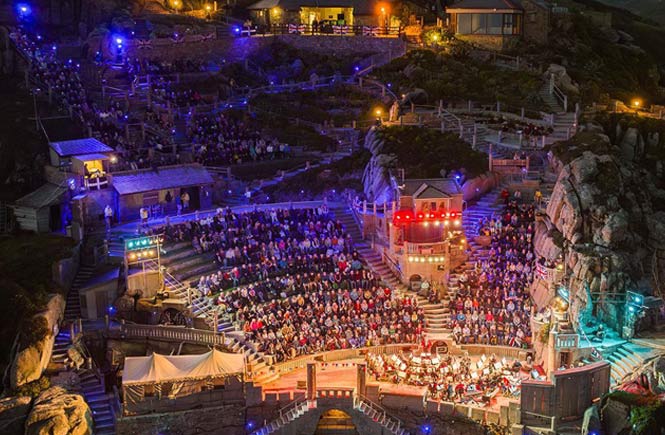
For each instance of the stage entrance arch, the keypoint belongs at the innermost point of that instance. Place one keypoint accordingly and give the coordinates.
(415, 281)
(337, 422)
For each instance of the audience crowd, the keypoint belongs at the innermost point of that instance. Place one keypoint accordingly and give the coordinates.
(222, 140)
(492, 305)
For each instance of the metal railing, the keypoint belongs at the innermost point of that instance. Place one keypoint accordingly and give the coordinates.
(171, 333)
(333, 29)
(394, 424)
(567, 341)
(558, 94)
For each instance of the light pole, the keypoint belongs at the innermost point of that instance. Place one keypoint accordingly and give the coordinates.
(34, 105)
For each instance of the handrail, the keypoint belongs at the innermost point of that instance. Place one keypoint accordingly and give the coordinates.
(558, 93)
(191, 335)
(291, 405)
(379, 408)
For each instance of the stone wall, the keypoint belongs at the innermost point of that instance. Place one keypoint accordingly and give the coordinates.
(238, 49)
(330, 44)
(64, 271)
(230, 418)
(490, 42)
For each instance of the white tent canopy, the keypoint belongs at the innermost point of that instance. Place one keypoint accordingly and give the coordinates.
(155, 368)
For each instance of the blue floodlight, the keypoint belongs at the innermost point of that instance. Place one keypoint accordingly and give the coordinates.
(23, 9)
(236, 30)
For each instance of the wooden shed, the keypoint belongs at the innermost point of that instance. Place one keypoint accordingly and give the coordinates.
(42, 210)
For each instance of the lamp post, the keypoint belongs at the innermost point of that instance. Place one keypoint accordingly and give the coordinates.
(34, 105)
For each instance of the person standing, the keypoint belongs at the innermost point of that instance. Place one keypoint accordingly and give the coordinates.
(538, 197)
(144, 216)
(168, 198)
(185, 201)
(108, 217)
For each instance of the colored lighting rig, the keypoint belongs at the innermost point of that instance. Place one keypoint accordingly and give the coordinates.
(436, 218)
(142, 248)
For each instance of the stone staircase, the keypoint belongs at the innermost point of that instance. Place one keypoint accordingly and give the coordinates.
(564, 125)
(288, 414)
(625, 359)
(98, 400)
(549, 99)
(380, 416)
(73, 303)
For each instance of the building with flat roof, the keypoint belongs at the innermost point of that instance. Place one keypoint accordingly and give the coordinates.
(498, 24)
(338, 12)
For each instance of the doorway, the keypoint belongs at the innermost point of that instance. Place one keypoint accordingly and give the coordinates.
(194, 197)
(335, 422)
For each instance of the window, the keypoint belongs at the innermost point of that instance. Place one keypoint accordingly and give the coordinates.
(432, 206)
(494, 24)
(464, 24)
(507, 24)
(479, 24)
(489, 24)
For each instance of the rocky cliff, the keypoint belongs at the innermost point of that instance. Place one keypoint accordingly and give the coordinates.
(606, 220)
(30, 362)
(378, 185)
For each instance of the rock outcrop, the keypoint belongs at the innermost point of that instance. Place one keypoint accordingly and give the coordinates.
(59, 412)
(602, 218)
(31, 361)
(378, 185)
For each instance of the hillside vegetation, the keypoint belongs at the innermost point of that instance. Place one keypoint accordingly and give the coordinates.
(625, 61)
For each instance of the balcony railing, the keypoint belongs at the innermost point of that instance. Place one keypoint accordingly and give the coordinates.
(567, 341)
(425, 248)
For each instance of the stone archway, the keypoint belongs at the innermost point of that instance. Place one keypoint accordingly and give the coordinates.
(415, 281)
(335, 422)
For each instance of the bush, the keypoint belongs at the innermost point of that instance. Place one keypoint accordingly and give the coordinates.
(34, 388)
(448, 77)
(425, 153)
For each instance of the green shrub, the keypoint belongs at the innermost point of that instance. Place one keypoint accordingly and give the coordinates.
(425, 153)
(34, 388)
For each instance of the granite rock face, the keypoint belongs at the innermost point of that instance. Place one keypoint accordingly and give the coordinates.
(58, 412)
(377, 183)
(30, 362)
(603, 218)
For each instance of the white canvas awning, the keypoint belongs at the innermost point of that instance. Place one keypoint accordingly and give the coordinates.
(157, 368)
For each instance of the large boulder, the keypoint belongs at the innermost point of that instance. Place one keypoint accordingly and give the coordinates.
(59, 412)
(13, 412)
(561, 78)
(31, 361)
